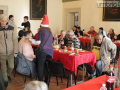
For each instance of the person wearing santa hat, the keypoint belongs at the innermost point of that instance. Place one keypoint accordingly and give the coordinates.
(44, 35)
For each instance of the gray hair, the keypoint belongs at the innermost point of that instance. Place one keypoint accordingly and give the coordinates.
(92, 27)
(99, 34)
(36, 85)
(3, 16)
(63, 31)
(71, 32)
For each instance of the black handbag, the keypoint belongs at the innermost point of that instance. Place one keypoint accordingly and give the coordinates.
(40, 49)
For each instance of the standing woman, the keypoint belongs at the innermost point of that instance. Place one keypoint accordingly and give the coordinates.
(44, 35)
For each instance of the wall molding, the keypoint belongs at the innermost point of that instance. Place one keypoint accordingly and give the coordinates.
(68, 0)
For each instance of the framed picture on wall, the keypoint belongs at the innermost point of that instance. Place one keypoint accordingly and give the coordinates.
(68, 0)
(37, 9)
(111, 13)
(1, 11)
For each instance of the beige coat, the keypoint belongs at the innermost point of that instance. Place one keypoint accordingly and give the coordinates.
(8, 40)
(108, 49)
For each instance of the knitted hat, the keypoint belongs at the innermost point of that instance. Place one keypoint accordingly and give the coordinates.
(101, 28)
(45, 21)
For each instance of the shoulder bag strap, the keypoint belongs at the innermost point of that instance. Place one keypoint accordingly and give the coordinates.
(46, 39)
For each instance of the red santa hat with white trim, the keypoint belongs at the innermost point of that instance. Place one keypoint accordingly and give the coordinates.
(45, 21)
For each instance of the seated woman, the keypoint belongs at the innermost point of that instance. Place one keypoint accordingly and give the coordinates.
(35, 37)
(105, 50)
(111, 34)
(25, 47)
(26, 58)
(63, 36)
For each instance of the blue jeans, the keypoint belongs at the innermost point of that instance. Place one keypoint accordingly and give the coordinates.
(98, 67)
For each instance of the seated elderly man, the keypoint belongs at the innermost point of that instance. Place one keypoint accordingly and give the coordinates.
(111, 34)
(63, 36)
(104, 50)
(25, 47)
(73, 39)
(92, 32)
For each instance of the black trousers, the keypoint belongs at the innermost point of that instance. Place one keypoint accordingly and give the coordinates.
(42, 67)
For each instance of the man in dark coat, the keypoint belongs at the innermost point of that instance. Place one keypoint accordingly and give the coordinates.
(26, 23)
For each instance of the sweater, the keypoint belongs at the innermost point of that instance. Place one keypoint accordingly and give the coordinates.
(65, 39)
(26, 24)
(25, 48)
(92, 33)
(11, 23)
(96, 50)
(42, 36)
(75, 41)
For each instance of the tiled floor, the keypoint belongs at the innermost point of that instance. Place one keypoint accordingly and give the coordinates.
(18, 82)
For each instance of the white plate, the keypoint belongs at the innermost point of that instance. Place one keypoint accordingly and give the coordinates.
(72, 54)
(82, 51)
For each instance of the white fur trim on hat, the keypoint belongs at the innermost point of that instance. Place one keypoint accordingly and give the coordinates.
(44, 25)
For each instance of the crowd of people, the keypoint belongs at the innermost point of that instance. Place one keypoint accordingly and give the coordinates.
(11, 46)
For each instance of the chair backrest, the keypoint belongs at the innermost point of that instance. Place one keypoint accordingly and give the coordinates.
(118, 37)
(55, 68)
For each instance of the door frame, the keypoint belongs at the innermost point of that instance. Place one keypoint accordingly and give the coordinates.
(72, 10)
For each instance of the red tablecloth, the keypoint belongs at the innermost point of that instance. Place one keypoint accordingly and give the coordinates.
(117, 44)
(94, 84)
(84, 40)
(72, 61)
(119, 61)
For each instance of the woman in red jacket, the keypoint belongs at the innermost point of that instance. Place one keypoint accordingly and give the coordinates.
(35, 37)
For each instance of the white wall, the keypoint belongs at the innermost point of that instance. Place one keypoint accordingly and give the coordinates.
(20, 8)
(91, 15)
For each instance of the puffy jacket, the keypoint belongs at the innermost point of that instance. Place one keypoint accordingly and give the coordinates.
(108, 49)
(25, 66)
(8, 40)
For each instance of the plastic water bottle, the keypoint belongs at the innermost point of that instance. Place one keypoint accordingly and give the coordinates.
(72, 47)
(90, 36)
(103, 87)
(57, 40)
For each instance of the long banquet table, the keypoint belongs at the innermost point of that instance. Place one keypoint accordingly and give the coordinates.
(93, 84)
(72, 61)
(117, 44)
(84, 40)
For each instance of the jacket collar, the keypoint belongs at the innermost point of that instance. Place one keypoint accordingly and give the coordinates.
(105, 39)
(3, 27)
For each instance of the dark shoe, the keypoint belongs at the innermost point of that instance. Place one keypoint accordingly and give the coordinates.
(9, 79)
(92, 76)
(6, 84)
